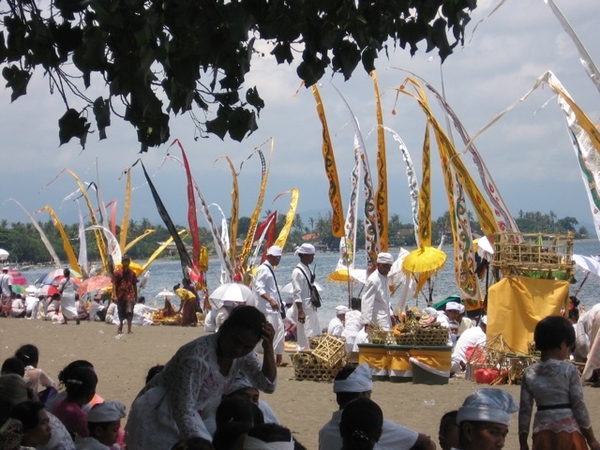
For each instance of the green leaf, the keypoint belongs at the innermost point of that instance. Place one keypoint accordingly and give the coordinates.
(283, 53)
(17, 80)
(71, 125)
(241, 123)
(254, 99)
(218, 126)
(102, 113)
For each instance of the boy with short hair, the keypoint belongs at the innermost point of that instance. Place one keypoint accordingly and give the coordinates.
(104, 422)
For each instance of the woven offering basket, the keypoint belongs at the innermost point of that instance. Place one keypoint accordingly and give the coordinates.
(405, 339)
(379, 336)
(431, 336)
(307, 367)
(330, 351)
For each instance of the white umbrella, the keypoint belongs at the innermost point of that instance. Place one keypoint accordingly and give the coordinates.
(231, 292)
(166, 293)
(589, 263)
(3, 254)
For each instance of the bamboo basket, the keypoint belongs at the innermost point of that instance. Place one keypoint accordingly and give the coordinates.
(307, 367)
(405, 339)
(431, 336)
(330, 351)
(381, 337)
(533, 254)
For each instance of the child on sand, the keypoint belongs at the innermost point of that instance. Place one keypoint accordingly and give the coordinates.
(562, 420)
(104, 422)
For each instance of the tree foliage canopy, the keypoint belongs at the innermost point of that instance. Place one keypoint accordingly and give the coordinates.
(154, 58)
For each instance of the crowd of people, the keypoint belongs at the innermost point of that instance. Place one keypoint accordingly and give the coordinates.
(207, 396)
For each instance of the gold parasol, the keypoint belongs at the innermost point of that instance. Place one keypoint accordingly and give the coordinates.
(343, 275)
(424, 260)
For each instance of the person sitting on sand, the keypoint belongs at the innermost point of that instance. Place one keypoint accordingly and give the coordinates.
(356, 382)
(361, 425)
(53, 309)
(81, 388)
(167, 409)
(36, 423)
(104, 423)
(142, 313)
(484, 418)
(17, 309)
(35, 377)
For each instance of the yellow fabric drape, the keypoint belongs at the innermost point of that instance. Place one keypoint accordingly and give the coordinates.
(376, 357)
(125, 221)
(289, 217)
(65, 239)
(517, 304)
(381, 196)
(398, 360)
(335, 197)
(425, 225)
(436, 359)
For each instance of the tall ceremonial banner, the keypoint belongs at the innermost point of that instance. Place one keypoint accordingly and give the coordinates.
(73, 262)
(235, 207)
(413, 184)
(125, 220)
(351, 223)
(264, 176)
(381, 195)
(504, 220)
(425, 194)
(480, 206)
(517, 304)
(113, 244)
(335, 197)
(289, 217)
(586, 144)
(82, 259)
(264, 232)
(191, 211)
(136, 240)
(372, 244)
(184, 257)
(43, 235)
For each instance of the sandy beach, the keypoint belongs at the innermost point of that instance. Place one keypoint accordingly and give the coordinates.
(302, 406)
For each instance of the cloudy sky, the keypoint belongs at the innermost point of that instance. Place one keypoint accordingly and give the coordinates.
(528, 151)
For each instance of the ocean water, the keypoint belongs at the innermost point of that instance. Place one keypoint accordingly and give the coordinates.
(165, 273)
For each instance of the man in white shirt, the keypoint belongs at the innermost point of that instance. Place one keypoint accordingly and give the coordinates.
(451, 314)
(351, 383)
(336, 325)
(269, 302)
(308, 320)
(375, 305)
(472, 337)
(5, 292)
(32, 305)
(18, 307)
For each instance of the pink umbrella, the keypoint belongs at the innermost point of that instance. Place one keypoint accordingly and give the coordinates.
(17, 278)
(92, 284)
(57, 274)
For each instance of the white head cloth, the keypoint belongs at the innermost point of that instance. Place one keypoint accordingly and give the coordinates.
(274, 250)
(359, 381)
(461, 308)
(305, 249)
(385, 258)
(106, 412)
(488, 405)
(452, 306)
(341, 309)
(252, 443)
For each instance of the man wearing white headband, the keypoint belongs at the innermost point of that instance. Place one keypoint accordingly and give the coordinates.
(302, 277)
(375, 305)
(268, 300)
(351, 383)
(336, 325)
(473, 337)
(484, 418)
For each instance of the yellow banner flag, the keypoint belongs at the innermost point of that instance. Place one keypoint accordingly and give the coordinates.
(125, 221)
(235, 206)
(136, 240)
(65, 239)
(289, 217)
(159, 250)
(381, 196)
(335, 196)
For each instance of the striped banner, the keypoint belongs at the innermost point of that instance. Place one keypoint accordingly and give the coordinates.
(381, 195)
(335, 197)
